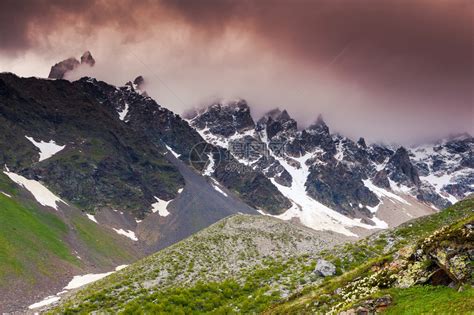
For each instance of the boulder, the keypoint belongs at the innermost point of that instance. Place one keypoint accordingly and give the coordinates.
(325, 268)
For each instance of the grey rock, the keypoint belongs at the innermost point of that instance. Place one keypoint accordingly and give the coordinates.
(87, 59)
(325, 268)
(401, 170)
(381, 179)
(225, 119)
(61, 68)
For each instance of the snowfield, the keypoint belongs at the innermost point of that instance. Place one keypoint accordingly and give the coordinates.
(160, 206)
(48, 300)
(41, 193)
(76, 282)
(123, 113)
(91, 217)
(128, 233)
(209, 166)
(176, 155)
(47, 149)
(215, 185)
(4, 193)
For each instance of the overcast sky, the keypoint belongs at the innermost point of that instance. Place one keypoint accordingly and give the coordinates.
(393, 70)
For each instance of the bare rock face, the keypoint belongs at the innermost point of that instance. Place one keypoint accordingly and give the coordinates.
(139, 82)
(59, 70)
(325, 268)
(381, 179)
(401, 170)
(225, 118)
(87, 58)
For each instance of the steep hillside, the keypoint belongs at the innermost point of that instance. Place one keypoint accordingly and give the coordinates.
(42, 248)
(102, 163)
(111, 145)
(425, 266)
(237, 255)
(247, 264)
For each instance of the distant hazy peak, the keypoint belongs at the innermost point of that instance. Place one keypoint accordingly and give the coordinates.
(87, 58)
(59, 70)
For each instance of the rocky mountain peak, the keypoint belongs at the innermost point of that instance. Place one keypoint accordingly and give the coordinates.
(276, 121)
(87, 59)
(284, 116)
(59, 70)
(319, 126)
(139, 81)
(224, 118)
(361, 142)
(138, 85)
(402, 170)
(276, 115)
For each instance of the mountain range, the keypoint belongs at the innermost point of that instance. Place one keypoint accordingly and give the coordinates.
(100, 176)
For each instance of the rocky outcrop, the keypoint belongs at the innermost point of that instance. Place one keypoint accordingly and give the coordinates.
(87, 59)
(370, 306)
(401, 170)
(342, 189)
(275, 122)
(59, 70)
(429, 195)
(381, 179)
(225, 119)
(325, 268)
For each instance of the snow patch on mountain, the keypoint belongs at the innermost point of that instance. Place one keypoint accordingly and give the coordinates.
(46, 301)
(309, 211)
(380, 192)
(340, 152)
(209, 166)
(400, 188)
(215, 185)
(42, 194)
(176, 155)
(4, 193)
(47, 149)
(128, 233)
(91, 217)
(160, 206)
(123, 113)
(75, 283)
(439, 181)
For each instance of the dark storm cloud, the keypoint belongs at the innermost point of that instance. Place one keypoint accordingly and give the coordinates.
(391, 62)
(390, 43)
(25, 23)
(426, 37)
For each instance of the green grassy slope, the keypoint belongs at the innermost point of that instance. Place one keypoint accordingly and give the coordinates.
(31, 241)
(104, 247)
(40, 248)
(386, 262)
(242, 263)
(431, 300)
(176, 280)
